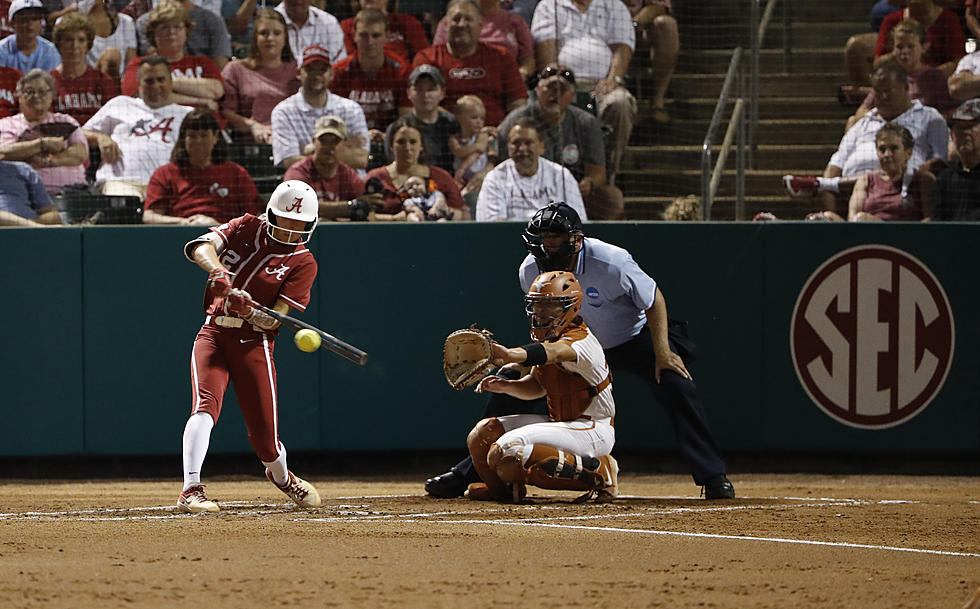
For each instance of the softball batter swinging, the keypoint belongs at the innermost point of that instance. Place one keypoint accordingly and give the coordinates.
(262, 259)
(569, 448)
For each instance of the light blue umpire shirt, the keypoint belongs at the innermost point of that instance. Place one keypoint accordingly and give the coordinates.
(617, 293)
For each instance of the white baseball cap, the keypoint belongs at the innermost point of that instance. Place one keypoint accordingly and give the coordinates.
(18, 5)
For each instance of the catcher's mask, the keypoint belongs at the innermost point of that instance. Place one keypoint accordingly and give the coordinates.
(294, 200)
(556, 218)
(552, 304)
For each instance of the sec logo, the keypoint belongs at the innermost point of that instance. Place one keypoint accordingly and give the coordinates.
(872, 336)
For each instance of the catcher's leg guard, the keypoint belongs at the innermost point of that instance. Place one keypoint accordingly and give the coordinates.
(557, 469)
(509, 468)
(480, 440)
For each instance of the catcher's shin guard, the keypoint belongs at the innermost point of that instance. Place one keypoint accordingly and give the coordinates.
(557, 469)
(480, 441)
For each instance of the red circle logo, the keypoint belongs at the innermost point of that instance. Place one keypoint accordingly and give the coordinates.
(872, 336)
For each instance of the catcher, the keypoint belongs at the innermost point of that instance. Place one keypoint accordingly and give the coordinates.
(567, 449)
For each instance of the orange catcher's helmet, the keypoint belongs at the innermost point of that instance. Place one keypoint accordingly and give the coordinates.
(552, 304)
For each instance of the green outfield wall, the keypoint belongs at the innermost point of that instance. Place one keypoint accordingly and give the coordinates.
(100, 321)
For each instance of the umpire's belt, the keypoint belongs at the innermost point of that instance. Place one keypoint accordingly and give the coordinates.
(228, 322)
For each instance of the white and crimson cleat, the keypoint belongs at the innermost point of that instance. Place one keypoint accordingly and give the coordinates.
(297, 489)
(610, 475)
(193, 500)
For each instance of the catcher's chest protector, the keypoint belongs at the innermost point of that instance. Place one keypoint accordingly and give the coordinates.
(569, 395)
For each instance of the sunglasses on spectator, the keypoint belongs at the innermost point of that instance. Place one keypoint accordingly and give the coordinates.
(552, 71)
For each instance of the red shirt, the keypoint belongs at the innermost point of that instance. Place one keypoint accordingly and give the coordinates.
(8, 83)
(265, 268)
(393, 201)
(343, 186)
(490, 73)
(189, 66)
(379, 95)
(405, 35)
(223, 191)
(6, 27)
(82, 97)
(945, 38)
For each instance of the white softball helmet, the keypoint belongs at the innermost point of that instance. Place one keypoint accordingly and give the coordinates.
(294, 200)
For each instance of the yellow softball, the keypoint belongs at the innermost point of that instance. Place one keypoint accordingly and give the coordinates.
(307, 340)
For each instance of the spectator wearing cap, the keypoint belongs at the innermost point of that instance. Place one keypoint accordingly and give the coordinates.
(405, 36)
(209, 36)
(336, 183)
(25, 49)
(471, 67)
(196, 78)
(372, 76)
(504, 29)
(595, 38)
(294, 118)
(572, 137)
(426, 90)
(23, 200)
(956, 195)
(309, 26)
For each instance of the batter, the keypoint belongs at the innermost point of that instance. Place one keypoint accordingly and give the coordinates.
(262, 259)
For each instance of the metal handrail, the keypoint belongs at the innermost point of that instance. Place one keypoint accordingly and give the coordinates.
(743, 136)
(711, 177)
(757, 34)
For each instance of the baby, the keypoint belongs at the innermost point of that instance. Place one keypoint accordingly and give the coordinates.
(422, 204)
(473, 146)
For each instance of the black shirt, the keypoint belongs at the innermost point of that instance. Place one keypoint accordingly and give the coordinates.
(956, 197)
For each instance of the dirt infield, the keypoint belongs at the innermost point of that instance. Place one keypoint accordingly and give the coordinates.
(787, 541)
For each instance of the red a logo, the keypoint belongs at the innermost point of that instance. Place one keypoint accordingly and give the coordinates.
(297, 205)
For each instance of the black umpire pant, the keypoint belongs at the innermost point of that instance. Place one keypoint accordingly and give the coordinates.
(676, 394)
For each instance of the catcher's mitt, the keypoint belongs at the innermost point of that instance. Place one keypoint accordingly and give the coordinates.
(467, 357)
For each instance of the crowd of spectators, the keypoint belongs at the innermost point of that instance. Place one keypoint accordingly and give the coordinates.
(98, 92)
(907, 153)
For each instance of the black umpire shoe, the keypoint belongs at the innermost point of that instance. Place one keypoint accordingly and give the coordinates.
(447, 486)
(719, 487)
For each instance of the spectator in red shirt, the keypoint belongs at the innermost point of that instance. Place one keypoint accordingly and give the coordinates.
(405, 34)
(943, 30)
(82, 89)
(199, 185)
(471, 67)
(503, 28)
(197, 79)
(8, 84)
(254, 85)
(373, 77)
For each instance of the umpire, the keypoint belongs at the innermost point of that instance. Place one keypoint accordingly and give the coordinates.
(626, 311)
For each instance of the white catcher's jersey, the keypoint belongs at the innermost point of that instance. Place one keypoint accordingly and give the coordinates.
(590, 369)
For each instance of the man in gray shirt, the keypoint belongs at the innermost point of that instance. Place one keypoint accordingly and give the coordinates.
(573, 138)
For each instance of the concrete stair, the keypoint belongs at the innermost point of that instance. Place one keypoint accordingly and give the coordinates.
(801, 120)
